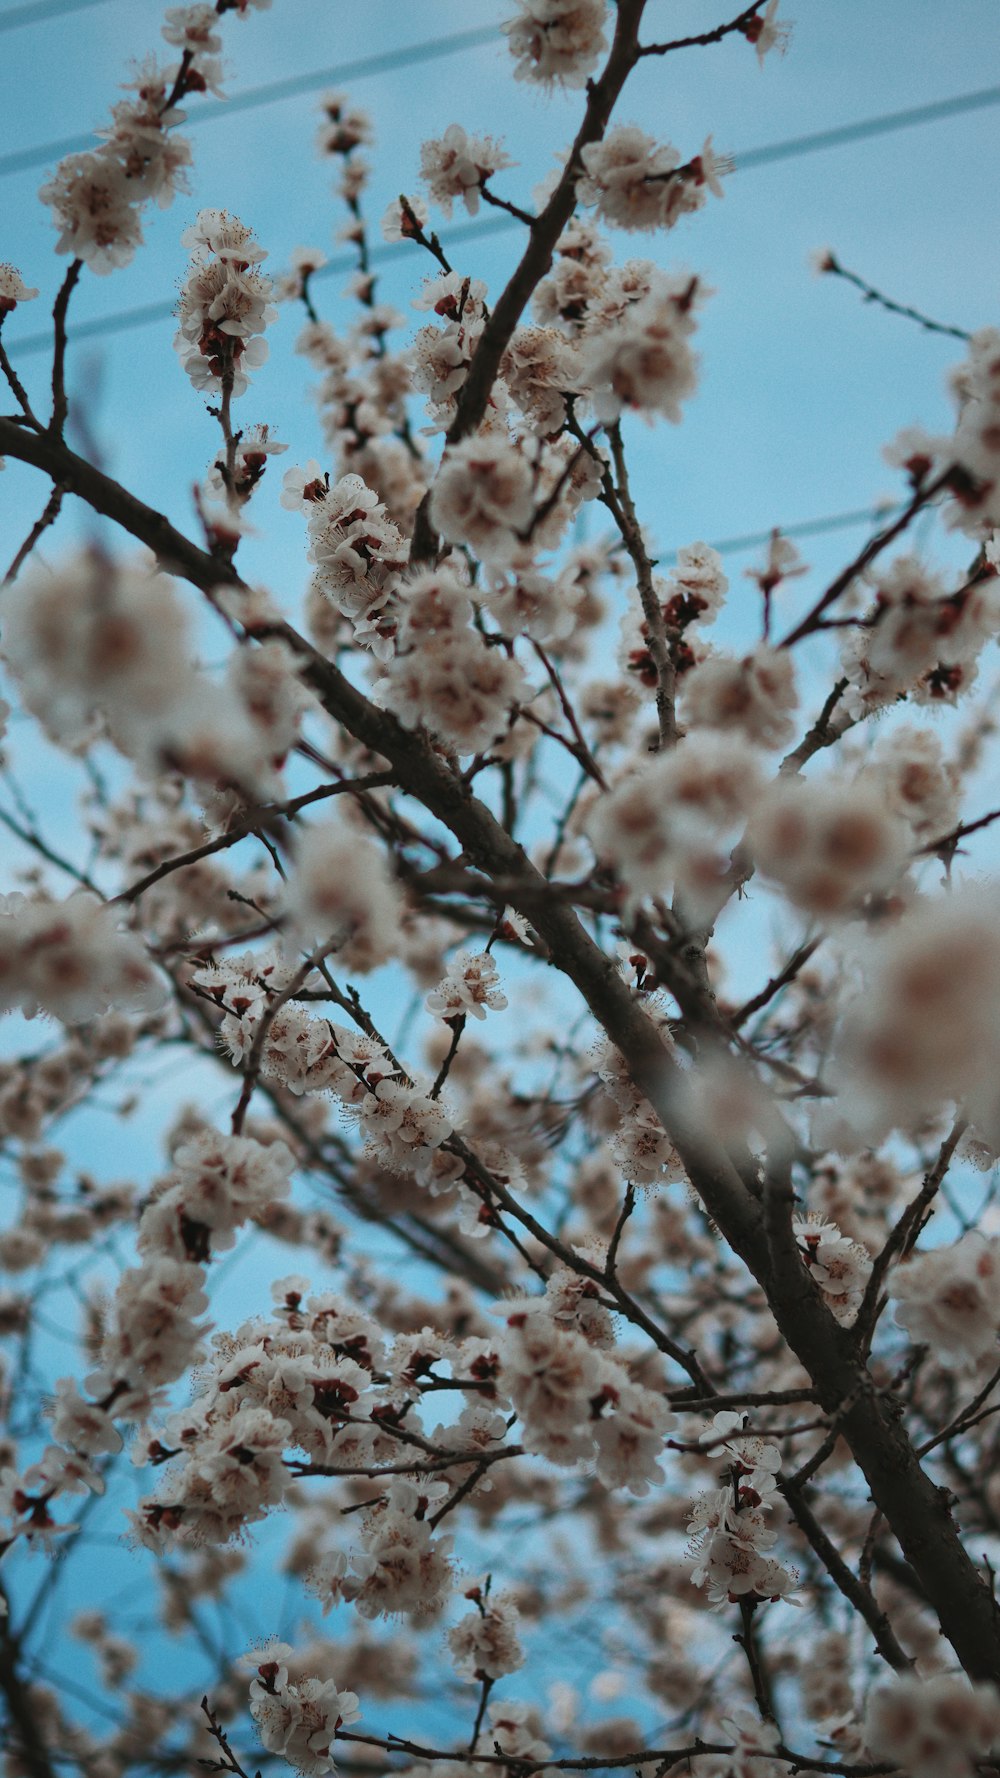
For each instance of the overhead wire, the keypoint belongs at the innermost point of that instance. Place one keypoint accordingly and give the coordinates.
(843, 134)
(789, 149)
(38, 12)
(818, 527)
(290, 87)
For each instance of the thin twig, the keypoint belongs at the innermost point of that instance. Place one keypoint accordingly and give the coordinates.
(48, 517)
(905, 1231)
(59, 401)
(924, 494)
(831, 264)
(17, 388)
(243, 829)
(739, 23)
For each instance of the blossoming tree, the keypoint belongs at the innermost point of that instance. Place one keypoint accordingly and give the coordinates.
(704, 1295)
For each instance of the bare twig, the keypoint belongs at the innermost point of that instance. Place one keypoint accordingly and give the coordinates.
(739, 23)
(48, 517)
(831, 264)
(59, 402)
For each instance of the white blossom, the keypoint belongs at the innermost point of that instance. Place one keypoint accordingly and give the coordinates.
(935, 1726)
(456, 165)
(298, 1720)
(557, 40)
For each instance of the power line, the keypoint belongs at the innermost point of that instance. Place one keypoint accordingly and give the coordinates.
(872, 126)
(37, 12)
(19, 160)
(126, 319)
(837, 521)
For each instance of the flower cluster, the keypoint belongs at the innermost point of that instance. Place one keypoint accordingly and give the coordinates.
(445, 675)
(920, 1030)
(442, 354)
(557, 41)
(634, 182)
(646, 363)
(577, 1404)
(297, 1719)
(224, 304)
(916, 780)
(402, 1126)
(670, 819)
(731, 1539)
(72, 959)
(98, 642)
(949, 1299)
(838, 1266)
(920, 639)
(482, 496)
(753, 698)
(358, 552)
(936, 1726)
(471, 985)
(97, 197)
(217, 1184)
(95, 635)
(828, 843)
(399, 1565)
(975, 450)
(341, 894)
(639, 1143)
(484, 1643)
(457, 165)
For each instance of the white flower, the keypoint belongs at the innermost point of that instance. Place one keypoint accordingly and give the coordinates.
(917, 782)
(13, 289)
(73, 959)
(921, 639)
(669, 821)
(155, 1336)
(839, 1266)
(949, 1299)
(341, 891)
(397, 225)
(557, 40)
(482, 496)
(304, 487)
(646, 362)
(484, 1643)
(457, 687)
(921, 1028)
(766, 31)
(224, 304)
(82, 1424)
(93, 210)
(470, 986)
(933, 1726)
(828, 843)
(753, 697)
(345, 127)
(299, 1719)
(193, 28)
(636, 183)
(456, 166)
